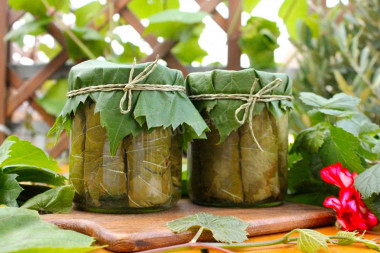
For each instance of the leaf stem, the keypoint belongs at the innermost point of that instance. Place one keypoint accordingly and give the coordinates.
(197, 235)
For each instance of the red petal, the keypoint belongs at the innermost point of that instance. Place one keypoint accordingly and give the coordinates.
(333, 203)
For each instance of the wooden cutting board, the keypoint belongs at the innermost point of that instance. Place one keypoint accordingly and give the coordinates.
(136, 232)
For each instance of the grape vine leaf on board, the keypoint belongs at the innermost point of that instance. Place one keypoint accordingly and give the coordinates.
(224, 228)
(311, 241)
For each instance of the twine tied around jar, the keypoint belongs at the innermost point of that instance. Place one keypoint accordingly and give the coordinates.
(251, 99)
(132, 85)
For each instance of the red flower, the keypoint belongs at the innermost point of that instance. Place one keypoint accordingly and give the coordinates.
(352, 214)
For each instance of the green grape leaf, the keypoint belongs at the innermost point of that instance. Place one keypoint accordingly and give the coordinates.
(25, 231)
(56, 200)
(5, 149)
(189, 51)
(310, 139)
(311, 241)
(224, 228)
(34, 27)
(87, 13)
(147, 8)
(368, 182)
(259, 40)
(38, 8)
(340, 104)
(341, 146)
(24, 154)
(174, 24)
(349, 237)
(249, 5)
(55, 98)
(94, 40)
(291, 11)
(36, 175)
(9, 189)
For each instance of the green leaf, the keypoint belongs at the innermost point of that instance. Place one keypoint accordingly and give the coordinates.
(48, 51)
(350, 237)
(88, 13)
(26, 231)
(340, 104)
(147, 8)
(189, 51)
(341, 146)
(91, 38)
(291, 12)
(9, 189)
(249, 5)
(34, 27)
(55, 98)
(311, 241)
(259, 40)
(38, 8)
(23, 153)
(5, 149)
(56, 200)
(224, 229)
(174, 24)
(368, 182)
(36, 175)
(130, 52)
(310, 139)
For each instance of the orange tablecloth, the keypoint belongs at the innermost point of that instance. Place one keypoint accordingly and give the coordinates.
(356, 248)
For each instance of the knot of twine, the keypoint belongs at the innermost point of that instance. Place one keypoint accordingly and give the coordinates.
(132, 85)
(251, 99)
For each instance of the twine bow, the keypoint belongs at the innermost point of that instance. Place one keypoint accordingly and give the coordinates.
(131, 83)
(250, 105)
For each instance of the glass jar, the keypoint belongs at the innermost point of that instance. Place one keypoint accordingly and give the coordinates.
(240, 164)
(128, 125)
(143, 176)
(236, 172)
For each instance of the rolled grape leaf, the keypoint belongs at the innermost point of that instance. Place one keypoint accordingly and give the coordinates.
(149, 170)
(259, 169)
(280, 129)
(176, 164)
(103, 174)
(78, 137)
(215, 175)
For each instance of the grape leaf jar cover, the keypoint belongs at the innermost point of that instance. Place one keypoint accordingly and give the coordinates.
(243, 161)
(127, 125)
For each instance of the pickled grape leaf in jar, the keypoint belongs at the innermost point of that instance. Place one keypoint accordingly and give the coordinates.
(216, 168)
(78, 137)
(149, 169)
(259, 169)
(104, 175)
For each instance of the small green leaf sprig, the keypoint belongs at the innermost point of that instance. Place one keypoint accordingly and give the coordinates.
(231, 232)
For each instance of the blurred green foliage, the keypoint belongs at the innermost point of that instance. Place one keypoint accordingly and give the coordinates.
(338, 51)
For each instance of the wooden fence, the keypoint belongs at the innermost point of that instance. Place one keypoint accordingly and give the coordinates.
(14, 90)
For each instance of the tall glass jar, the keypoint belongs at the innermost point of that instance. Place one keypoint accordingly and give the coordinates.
(127, 137)
(143, 176)
(228, 168)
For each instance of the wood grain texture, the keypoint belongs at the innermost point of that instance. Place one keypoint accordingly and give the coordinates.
(136, 232)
